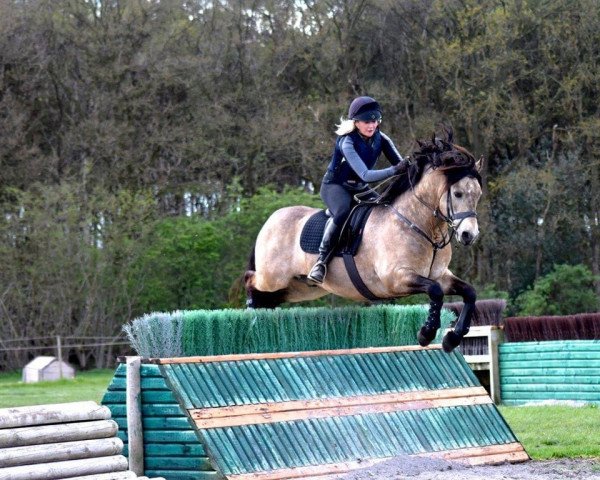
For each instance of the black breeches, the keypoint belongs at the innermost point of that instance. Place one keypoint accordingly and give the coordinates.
(339, 201)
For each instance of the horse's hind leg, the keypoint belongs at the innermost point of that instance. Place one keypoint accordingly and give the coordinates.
(459, 287)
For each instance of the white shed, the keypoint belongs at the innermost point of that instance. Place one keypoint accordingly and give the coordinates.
(42, 369)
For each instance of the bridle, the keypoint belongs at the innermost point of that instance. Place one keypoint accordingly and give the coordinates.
(452, 219)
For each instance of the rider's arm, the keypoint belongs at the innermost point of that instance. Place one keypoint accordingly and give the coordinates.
(359, 166)
(389, 150)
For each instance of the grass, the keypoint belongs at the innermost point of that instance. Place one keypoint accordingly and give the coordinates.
(545, 431)
(556, 431)
(86, 386)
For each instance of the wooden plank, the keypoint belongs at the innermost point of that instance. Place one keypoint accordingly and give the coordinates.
(477, 451)
(279, 355)
(358, 409)
(175, 449)
(547, 363)
(154, 410)
(178, 463)
(591, 371)
(184, 475)
(66, 432)
(66, 469)
(173, 436)
(127, 475)
(54, 452)
(493, 453)
(51, 414)
(551, 380)
(272, 407)
(148, 396)
(135, 429)
(565, 387)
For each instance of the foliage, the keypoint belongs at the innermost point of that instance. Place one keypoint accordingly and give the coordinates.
(136, 137)
(568, 289)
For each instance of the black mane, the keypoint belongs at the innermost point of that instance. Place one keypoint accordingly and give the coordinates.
(440, 154)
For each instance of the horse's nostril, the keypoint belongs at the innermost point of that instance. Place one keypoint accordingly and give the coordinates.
(466, 237)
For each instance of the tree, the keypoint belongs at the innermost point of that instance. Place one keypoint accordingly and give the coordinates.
(567, 290)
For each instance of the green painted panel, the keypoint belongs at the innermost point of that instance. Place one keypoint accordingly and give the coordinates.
(566, 371)
(146, 370)
(183, 475)
(559, 370)
(201, 385)
(147, 383)
(255, 448)
(174, 449)
(571, 387)
(551, 380)
(549, 363)
(158, 423)
(177, 463)
(169, 436)
(148, 396)
(164, 410)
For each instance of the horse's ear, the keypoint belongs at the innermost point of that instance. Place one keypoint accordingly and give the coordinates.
(479, 164)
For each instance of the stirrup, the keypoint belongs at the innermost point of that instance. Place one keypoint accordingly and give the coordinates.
(315, 276)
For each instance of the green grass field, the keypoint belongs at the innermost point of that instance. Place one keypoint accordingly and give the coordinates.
(545, 431)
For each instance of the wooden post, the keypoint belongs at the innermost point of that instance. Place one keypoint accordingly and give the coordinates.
(135, 436)
(59, 356)
(495, 338)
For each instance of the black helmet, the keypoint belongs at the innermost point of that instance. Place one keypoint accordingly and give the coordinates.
(364, 108)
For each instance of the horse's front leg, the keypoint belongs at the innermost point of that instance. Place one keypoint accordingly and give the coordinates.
(455, 286)
(419, 284)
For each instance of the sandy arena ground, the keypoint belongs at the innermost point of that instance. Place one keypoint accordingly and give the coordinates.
(414, 468)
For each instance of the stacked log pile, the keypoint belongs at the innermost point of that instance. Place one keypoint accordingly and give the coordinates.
(74, 441)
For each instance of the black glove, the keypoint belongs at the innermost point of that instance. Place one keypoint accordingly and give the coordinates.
(400, 167)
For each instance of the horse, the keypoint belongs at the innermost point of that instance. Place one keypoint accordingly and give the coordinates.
(406, 244)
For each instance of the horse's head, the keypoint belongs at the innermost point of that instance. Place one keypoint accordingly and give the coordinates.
(458, 184)
(462, 186)
(460, 204)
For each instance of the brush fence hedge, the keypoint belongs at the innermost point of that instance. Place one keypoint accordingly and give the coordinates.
(222, 332)
(566, 370)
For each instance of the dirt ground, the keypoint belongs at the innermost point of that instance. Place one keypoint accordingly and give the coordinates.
(414, 468)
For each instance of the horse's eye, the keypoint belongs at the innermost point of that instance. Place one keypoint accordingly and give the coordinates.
(458, 194)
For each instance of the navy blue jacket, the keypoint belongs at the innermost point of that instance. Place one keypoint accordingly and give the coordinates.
(354, 157)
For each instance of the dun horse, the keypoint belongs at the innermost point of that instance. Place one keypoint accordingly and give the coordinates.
(405, 248)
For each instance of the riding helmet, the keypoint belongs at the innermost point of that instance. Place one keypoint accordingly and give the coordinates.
(364, 108)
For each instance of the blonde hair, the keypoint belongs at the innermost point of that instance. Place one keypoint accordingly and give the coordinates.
(345, 127)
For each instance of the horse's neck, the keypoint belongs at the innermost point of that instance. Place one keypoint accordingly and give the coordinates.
(419, 204)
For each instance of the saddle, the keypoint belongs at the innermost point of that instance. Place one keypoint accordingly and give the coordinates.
(348, 244)
(350, 236)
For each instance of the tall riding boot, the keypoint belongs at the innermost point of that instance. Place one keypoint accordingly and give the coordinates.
(330, 239)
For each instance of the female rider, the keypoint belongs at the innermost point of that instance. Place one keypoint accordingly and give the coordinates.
(359, 144)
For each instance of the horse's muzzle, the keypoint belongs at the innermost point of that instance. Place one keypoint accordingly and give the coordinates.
(467, 238)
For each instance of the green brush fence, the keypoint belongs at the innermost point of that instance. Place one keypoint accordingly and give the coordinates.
(222, 332)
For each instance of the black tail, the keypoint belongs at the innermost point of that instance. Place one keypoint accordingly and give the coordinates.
(257, 298)
(236, 295)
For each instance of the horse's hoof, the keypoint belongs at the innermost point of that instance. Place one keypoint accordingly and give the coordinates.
(451, 341)
(425, 336)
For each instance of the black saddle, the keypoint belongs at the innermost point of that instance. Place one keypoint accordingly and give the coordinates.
(351, 234)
